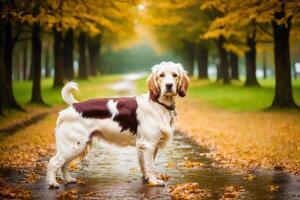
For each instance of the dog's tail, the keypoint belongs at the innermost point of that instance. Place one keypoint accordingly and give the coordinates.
(66, 92)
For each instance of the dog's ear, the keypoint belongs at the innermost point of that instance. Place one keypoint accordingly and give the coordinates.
(152, 87)
(183, 83)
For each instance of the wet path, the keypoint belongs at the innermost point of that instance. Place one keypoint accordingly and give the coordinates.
(110, 172)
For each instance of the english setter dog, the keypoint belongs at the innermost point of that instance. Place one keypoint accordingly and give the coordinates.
(145, 121)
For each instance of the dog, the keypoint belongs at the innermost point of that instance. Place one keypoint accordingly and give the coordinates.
(145, 121)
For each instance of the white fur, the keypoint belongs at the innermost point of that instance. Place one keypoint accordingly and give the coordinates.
(73, 133)
(112, 107)
(66, 92)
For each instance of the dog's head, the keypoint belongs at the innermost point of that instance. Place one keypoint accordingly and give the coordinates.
(167, 79)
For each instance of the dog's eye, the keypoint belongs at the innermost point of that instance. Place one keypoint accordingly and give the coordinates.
(175, 75)
(162, 75)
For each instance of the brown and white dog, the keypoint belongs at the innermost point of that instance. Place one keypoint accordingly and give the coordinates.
(145, 121)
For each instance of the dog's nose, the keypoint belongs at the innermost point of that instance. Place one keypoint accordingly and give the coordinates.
(169, 86)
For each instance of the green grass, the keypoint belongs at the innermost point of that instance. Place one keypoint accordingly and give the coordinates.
(88, 89)
(234, 96)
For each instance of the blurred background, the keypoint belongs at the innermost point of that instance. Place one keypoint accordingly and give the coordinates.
(46, 43)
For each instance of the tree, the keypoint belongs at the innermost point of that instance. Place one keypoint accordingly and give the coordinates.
(58, 58)
(234, 66)
(202, 61)
(177, 26)
(8, 47)
(83, 67)
(36, 57)
(280, 15)
(281, 33)
(251, 79)
(68, 54)
(94, 48)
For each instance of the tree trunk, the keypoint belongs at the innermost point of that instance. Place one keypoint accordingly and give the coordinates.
(8, 57)
(202, 61)
(251, 79)
(2, 96)
(47, 61)
(224, 69)
(189, 57)
(94, 54)
(24, 61)
(83, 70)
(264, 65)
(283, 87)
(234, 65)
(58, 58)
(68, 54)
(36, 57)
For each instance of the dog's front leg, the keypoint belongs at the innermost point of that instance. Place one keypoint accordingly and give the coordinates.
(146, 160)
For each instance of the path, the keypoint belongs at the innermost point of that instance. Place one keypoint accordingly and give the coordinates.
(113, 173)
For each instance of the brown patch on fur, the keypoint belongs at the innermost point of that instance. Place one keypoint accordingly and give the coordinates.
(127, 114)
(152, 87)
(93, 108)
(183, 84)
(97, 108)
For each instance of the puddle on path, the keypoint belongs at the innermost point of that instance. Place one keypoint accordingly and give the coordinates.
(113, 173)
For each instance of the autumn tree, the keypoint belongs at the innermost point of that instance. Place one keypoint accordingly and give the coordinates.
(177, 25)
(9, 17)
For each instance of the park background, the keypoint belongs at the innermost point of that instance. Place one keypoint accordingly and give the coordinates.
(243, 59)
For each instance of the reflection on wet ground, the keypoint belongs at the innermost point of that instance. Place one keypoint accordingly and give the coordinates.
(113, 173)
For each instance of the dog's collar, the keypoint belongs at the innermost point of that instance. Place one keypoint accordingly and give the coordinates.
(170, 108)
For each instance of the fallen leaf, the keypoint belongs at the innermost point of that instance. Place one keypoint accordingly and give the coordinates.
(163, 177)
(250, 177)
(190, 164)
(70, 194)
(232, 192)
(188, 191)
(273, 188)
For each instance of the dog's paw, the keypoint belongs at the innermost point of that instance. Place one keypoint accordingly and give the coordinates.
(71, 180)
(53, 184)
(156, 182)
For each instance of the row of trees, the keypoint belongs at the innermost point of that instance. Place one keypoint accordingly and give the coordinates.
(194, 29)
(86, 24)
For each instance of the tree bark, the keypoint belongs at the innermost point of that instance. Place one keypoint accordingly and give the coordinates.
(94, 54)
(83, 70)
(202, 61)
(68, 54)
(36, 57)
(234, 65)
(47, 61)
(224, 69)
(58, 58)
(251, 79)
(8, 57)
(283, 87)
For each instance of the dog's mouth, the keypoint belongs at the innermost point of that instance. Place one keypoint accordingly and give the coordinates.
(170, 92)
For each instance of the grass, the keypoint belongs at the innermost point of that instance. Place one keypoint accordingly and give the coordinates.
(22, 90)
(236, 97)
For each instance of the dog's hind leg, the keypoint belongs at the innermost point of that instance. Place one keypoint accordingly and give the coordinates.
(54, 164)
(66, 174)
(71, 141)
